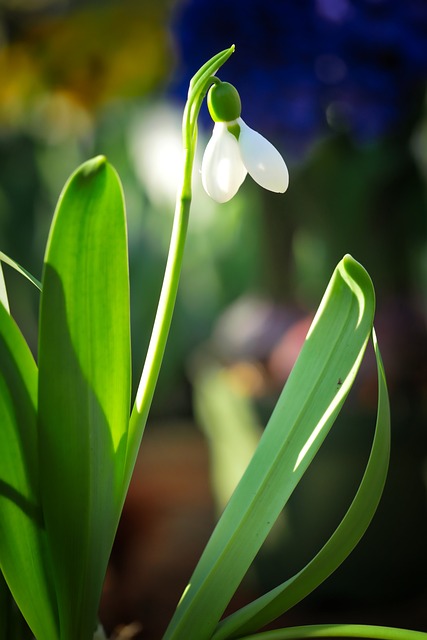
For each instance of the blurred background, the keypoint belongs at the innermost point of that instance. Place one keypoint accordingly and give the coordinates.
(339, 86)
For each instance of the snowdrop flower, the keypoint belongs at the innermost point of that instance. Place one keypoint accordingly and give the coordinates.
(236, 150)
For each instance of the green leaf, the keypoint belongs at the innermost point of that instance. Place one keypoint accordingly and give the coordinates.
(328, 631)
(306, 410)
(24, 558)
(12, 624)
(354, 524)
(84, 388)
(4, 300)
(4, 258)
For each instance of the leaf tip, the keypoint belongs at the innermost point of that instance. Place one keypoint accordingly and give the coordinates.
(357, 277)
(352, 267)
(93, 166)
(348, 260)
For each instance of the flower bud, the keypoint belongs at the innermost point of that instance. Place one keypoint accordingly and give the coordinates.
(224, 102)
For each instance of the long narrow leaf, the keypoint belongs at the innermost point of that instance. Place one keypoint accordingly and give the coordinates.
(4, 300)
(371, 632)
(24, 558)
(84, 387)
(354, 524)
(303, 416)
(12, 263)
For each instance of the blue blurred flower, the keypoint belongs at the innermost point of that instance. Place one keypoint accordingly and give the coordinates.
(303, 67)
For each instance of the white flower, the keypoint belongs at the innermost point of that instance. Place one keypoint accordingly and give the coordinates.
(227, 160)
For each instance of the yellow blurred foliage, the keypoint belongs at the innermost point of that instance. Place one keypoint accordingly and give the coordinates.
(91, 56)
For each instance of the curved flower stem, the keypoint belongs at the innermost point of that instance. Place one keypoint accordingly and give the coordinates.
(339, 631)
(198, 87)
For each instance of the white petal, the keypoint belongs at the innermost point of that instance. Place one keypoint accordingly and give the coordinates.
(222, 168)
(262, 160)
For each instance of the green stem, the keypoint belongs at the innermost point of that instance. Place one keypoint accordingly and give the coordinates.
(198, 87)
(339, 631)
(166, 305)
